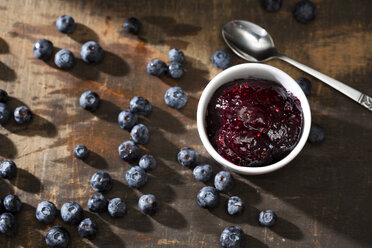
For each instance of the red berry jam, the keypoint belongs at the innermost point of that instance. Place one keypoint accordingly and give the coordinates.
(254, 122)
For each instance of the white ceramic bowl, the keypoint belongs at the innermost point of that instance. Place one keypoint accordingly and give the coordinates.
(258, 71)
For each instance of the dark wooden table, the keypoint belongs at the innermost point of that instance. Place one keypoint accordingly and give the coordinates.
(323, 198)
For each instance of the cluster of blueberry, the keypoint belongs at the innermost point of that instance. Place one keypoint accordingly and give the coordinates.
(304, 11)
(208, 196)
(22, 114)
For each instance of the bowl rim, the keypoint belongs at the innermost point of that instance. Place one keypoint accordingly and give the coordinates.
(210, 89)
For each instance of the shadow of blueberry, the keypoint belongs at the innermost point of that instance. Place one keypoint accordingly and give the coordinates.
(27, 182)
(83, 33)
(7, 149)
(7, 73)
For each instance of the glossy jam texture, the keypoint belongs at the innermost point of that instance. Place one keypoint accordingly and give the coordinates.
(254, 122)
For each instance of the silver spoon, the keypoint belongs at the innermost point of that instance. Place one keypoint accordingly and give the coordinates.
(251, 42)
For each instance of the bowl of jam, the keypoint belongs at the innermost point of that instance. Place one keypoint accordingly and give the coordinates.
(253, 118)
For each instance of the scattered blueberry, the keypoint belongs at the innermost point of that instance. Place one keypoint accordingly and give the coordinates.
(304, 11)
(140, 134)
(147, 162)
(97, 203)
(12, 203)
(176, 55)
(4, 113)
(305, 85)
(235, 205)
(64, 59)
(65, 24)
(127, 119)
(140, 105)
(72, 213)
(271, 5)
(89, 100)
(57, 237)
(3, 96)
(175, 70)
(43, 49)
(87, 228)
(8, 225)
(267, 218)
(132, 25)
(101, 181)
(223, 181)
(129, 151)
(221, 59)
(203, 172)
(175, 97)
(46, 212)
(81, 151)
(91, 52)
(317, 134)
(148, 204)
(116, 207)
(232, 237)
(156, 67)
(8, 169)
(208, 197)
(136, 177)
(22, 115)
(187, 157)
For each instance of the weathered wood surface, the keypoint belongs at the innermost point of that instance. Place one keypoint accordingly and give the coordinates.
(323, 198)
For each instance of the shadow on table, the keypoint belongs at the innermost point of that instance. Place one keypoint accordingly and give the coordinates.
(83, 33)
(7, 149)
(26, 181)
(6, 73)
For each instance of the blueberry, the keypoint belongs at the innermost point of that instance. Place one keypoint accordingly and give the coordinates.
(203, 172)
(46, 212)
(148, 204)
(8, 169)
(22, 115)
(64, 59)
(65, 24)
(271, 5)
(221, 59)
(304, 11)
(176, 55)
(101, 181)
(129, 151)
(4, 113)
(267, 218)
(147, 162)
(305, 85)
(81, 151)
(188, 157)
(91, 52)
(12, 203)
(140, 105)
(156, 67)
(57, 237)
(72, 213)
(136, 177)
(317, 134)
(116, 207)
(89, 100)
(175, 70)
(43, 49)
(223, 181)
(232, 237)
(140, 134)
(87, 228)
(3, 96)
(8, 225)
(208, 197)
(97, 203)
(235, 205)
(175, 97)
(132, 25)
(127, 119)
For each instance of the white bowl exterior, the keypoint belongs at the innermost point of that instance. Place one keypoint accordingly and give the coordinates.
(258, 71)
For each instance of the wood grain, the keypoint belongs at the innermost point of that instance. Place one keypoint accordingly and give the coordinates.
(322, 197)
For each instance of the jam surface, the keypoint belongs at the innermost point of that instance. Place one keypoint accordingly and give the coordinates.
(254, 122)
